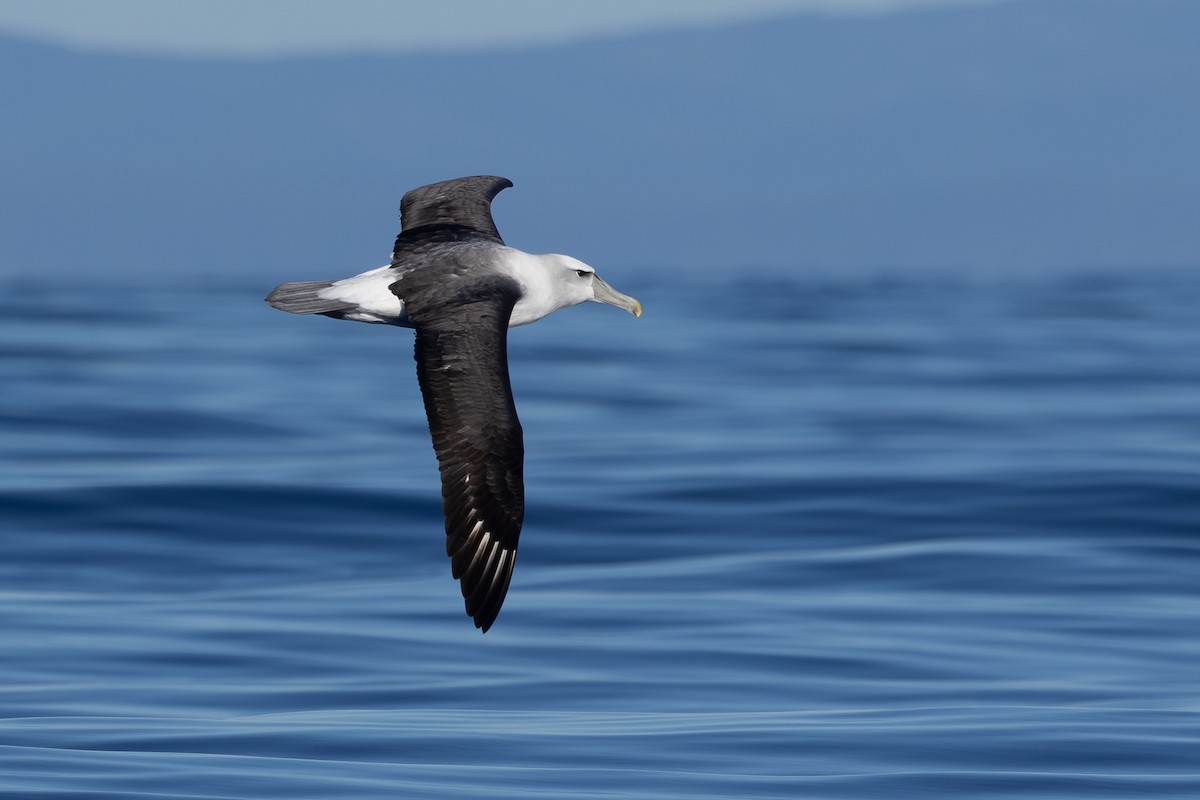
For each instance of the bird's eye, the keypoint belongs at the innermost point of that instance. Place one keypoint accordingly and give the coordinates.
(583, 273)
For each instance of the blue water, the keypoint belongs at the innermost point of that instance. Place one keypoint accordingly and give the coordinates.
(821, 538)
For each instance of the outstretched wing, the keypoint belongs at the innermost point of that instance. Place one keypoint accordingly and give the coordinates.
(462, 365)
(462, 202)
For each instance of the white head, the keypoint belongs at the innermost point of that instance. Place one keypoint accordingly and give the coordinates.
(556, 281)
(579, 282)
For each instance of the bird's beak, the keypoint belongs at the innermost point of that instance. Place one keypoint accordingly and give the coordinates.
(607, 294)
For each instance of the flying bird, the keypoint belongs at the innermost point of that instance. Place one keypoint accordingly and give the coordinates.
(455, 282)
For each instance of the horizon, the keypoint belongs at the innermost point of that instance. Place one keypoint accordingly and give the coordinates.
(282, 29)
(869, 145)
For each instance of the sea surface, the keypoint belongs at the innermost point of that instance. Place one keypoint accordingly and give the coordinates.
(807, 537)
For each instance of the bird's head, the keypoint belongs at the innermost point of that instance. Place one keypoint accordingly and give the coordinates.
(579, 283)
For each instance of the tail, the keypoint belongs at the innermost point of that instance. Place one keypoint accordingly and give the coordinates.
(305, 298)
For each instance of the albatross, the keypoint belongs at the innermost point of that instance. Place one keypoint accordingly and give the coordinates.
(454, 281)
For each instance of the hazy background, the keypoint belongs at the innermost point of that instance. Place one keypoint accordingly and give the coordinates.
(264, 27)
(892, 492)
(258, 141)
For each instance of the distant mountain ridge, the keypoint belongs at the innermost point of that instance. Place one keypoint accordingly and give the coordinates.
(1030, 135)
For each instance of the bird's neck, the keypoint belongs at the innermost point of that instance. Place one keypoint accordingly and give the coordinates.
(538, 297)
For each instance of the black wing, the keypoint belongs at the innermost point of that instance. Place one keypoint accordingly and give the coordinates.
(462, 365)
(462, 202)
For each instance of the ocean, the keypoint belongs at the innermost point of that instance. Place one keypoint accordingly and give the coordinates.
(792, 537)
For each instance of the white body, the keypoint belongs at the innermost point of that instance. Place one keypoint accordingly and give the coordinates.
(548, 283)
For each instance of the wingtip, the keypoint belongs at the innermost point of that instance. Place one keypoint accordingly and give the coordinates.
(484, 619)
(485, 615)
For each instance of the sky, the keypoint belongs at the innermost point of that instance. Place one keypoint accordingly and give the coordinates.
(263, 28)
(1021, 134)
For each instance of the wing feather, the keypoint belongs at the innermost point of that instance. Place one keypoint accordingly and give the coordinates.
(462, 366)
(464, 202)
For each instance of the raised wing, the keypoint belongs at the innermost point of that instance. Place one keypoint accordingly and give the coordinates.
(463, 202)
(462, 365)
